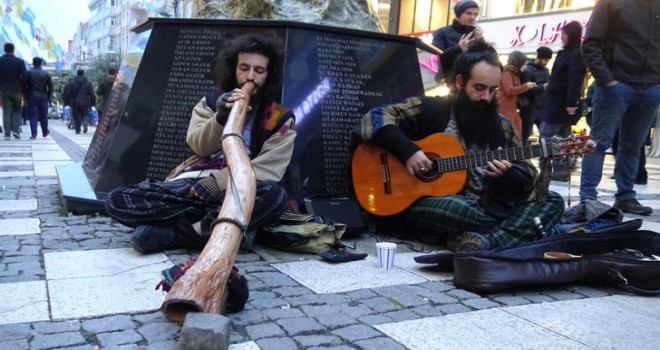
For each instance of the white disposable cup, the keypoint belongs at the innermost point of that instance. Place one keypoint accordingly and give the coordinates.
(386, 251)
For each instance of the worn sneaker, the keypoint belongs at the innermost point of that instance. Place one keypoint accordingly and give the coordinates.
(469, 241)
(632, 206)
(236, 293)
(151, 239)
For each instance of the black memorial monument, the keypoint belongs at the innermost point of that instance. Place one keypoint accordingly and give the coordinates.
(332, 77)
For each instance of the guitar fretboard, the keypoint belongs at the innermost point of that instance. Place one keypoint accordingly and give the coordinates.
(473, 160)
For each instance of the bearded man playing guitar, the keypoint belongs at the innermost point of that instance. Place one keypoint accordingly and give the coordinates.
(496, 205)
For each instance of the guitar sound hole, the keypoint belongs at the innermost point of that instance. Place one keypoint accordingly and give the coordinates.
(428, 176)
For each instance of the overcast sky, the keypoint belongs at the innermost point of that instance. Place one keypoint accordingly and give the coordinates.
(60, 17)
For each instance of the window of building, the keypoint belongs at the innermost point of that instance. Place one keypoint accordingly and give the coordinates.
(419, 16)
(508, 8)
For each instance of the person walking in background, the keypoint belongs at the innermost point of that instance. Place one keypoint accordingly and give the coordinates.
(455, 38)
(561, 106)
(510, 88)
(79, 95)
(536, 72)
(103, 90)
(620, 48)
(38, 91)
(12, 75)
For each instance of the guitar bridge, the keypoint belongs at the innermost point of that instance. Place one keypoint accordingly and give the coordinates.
(385, 173)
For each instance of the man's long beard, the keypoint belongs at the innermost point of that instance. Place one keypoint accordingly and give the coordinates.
(476, 121)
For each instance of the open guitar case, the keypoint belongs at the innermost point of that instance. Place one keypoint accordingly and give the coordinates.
(619, 255)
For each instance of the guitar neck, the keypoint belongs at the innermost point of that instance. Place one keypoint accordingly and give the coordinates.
(474, 160)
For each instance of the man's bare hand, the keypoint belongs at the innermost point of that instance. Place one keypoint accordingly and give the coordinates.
(497, 168)
(571, 110)
(418, 163)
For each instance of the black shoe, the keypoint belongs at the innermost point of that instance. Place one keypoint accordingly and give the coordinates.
(632, 206)
(16, 134)
(151, 239)
(85, 129)
(641, 182)
(560, 175)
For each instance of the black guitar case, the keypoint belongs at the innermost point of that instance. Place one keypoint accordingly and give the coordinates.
(626, 258)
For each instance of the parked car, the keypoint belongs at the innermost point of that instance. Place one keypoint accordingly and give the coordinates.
(54, 112)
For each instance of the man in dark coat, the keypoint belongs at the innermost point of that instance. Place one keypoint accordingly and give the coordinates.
(79, 95)
(12, 76)
(562, 101)
(536, 72)
(38, 91)
(103, 90)
(455, 38)
(621, 48)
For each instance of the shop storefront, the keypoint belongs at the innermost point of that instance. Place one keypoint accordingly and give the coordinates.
(527, 33)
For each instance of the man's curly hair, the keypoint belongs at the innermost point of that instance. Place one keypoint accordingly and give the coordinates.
(267, 44)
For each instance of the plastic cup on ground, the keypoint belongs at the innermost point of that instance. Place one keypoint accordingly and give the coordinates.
(386, 251)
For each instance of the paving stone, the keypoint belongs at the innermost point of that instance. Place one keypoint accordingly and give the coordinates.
(300, 325)
(441, 298)
(341, 347)
(267, 303)
(426, 311)
(587, 291)
(15, 344)
(276, 344)
(361, 294)
(247, 257)
(163, 345)
(306, 299)
(277, 313)
(401, 315)
(275, 279)
(453, 308)
(317, 340)
(480, 304)
(109, 324)
(378, 344)
(336, 319)
(375, 319)
(204, 331)
(264, 330)
(383, 304)
(158, 331)
(58, 340)
(291, 291)
(354, 309)
(247, 317)
(156, 316)
(512, 300)
(56, 327)
(462, 294)
(118, 338)
(14, 331)
(563, 295)
(356, 332)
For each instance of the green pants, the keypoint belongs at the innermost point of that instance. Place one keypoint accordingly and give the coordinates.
(451, 215)
(11, 111)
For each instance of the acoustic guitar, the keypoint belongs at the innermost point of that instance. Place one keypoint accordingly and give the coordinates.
(384, 187)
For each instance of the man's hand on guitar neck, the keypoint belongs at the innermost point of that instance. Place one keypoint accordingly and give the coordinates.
(497, 168)
(418, 163)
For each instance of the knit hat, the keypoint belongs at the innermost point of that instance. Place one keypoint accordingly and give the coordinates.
(516, 59)
(544, 52)
(463, 5)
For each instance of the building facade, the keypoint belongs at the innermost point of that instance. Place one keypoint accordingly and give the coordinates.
(522, 25)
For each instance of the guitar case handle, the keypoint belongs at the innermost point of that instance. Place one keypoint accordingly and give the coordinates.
(624, 285)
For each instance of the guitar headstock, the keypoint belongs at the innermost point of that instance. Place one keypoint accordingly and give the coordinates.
(569, 147)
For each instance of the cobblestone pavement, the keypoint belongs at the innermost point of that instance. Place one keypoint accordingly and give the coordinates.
(73, 282)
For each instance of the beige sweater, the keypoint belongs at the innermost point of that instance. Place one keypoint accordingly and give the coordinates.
(204, 137)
